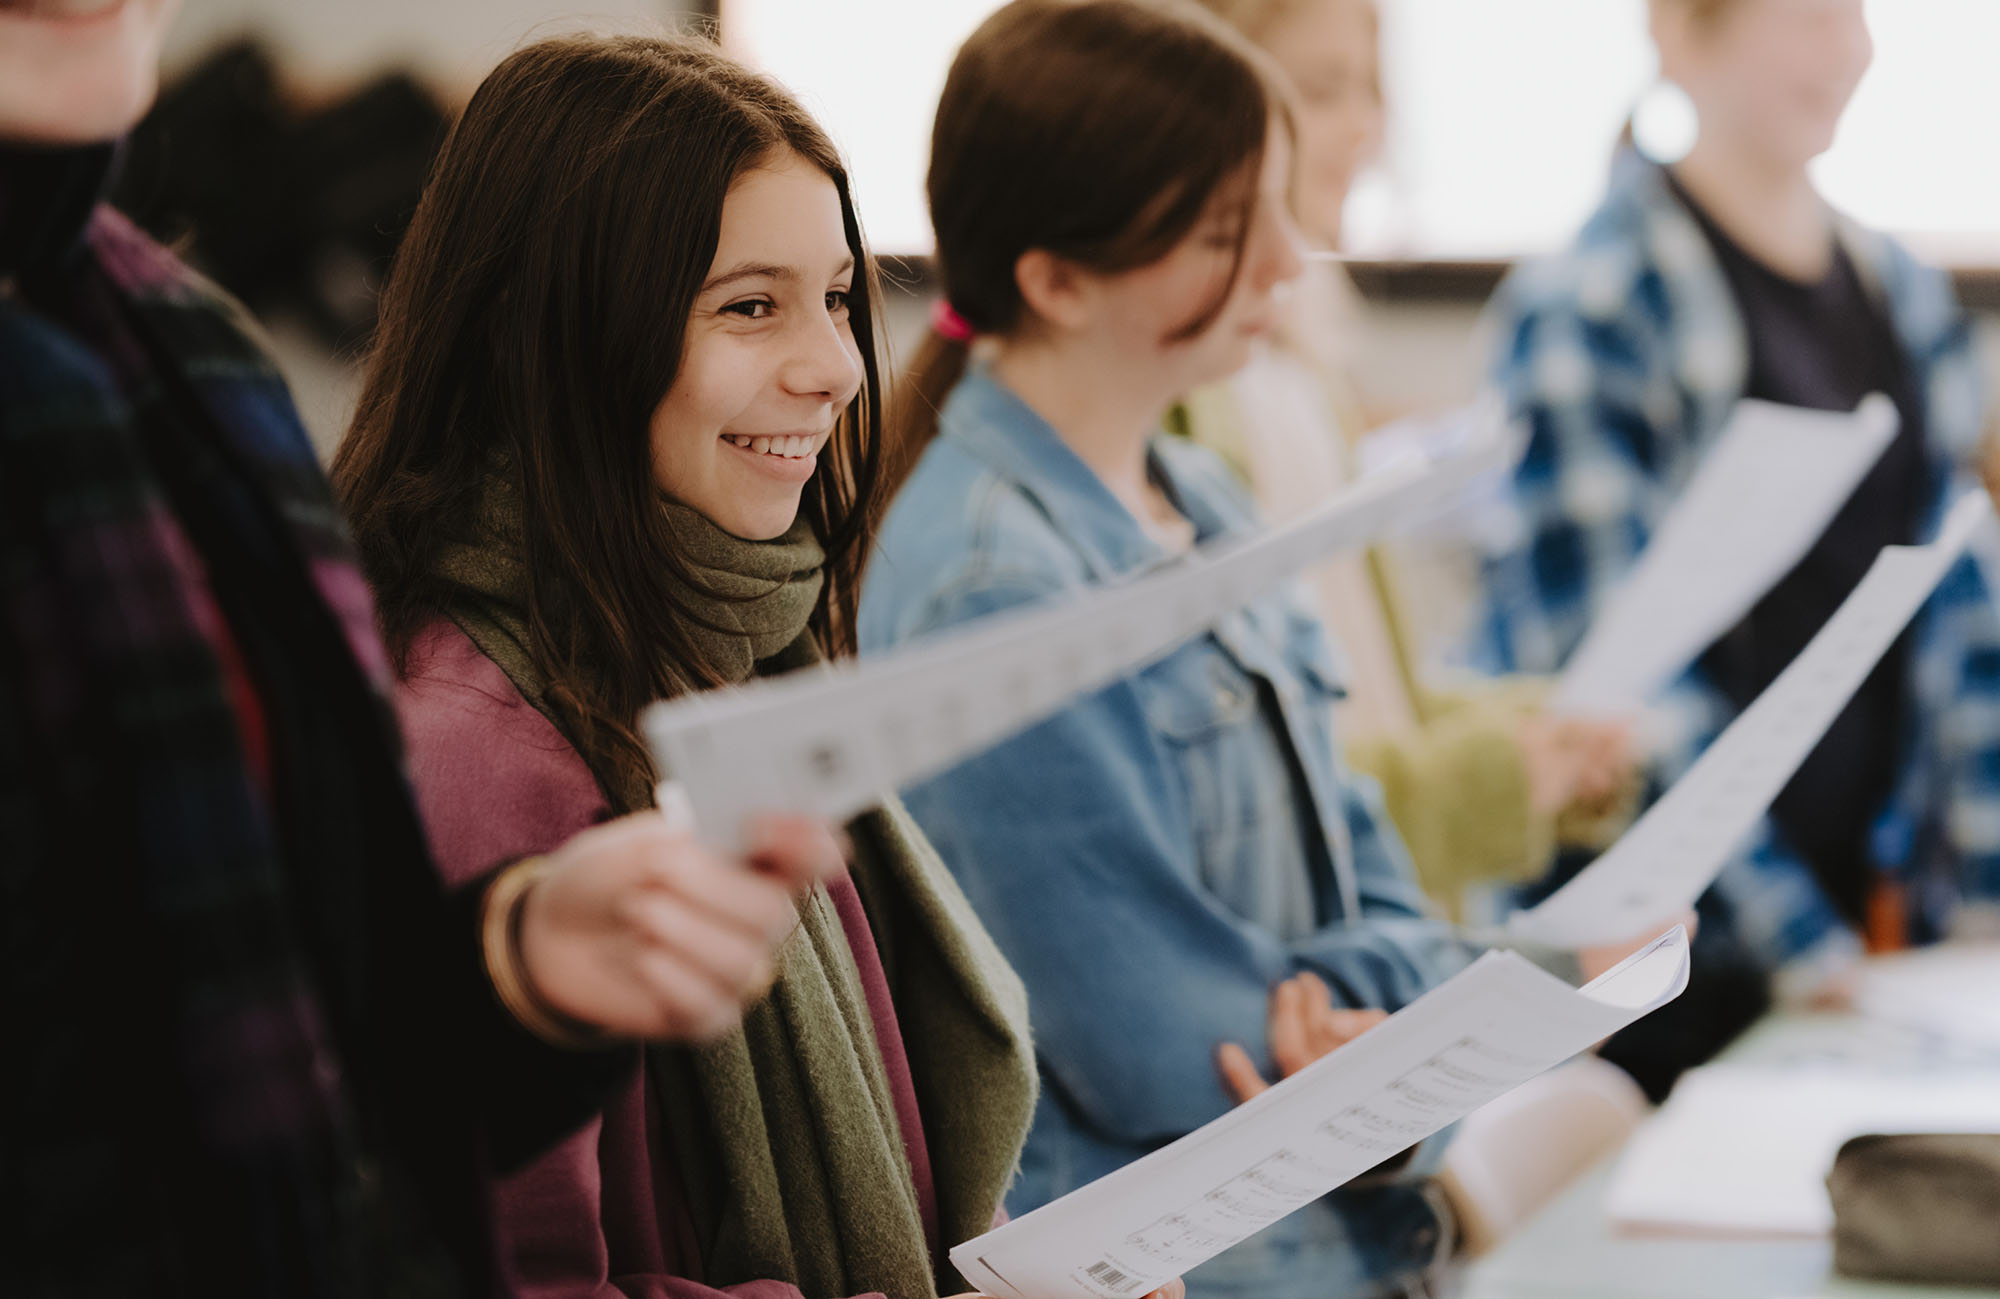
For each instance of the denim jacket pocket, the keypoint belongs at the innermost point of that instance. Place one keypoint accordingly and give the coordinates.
(1194, 699)
(1311, 651)
(1321, 678)
(1325, 677)
(1207, 712)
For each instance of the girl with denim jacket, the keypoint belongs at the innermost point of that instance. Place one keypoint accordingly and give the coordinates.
(1181, 857)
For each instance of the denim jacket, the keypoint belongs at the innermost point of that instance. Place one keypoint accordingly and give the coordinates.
(1157, 857)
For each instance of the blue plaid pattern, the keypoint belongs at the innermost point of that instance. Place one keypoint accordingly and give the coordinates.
(1624, 356)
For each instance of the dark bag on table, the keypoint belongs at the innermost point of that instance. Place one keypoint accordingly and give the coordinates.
(1922, 1208)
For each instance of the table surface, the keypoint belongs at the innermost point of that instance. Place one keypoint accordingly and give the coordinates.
(1571, 1251)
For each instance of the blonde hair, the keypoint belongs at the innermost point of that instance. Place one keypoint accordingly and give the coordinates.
(1255, 17)
(1705, 12)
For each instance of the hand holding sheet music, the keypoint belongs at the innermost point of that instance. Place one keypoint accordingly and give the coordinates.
(1669, 858)
(1494, 1026)
(1763, 494)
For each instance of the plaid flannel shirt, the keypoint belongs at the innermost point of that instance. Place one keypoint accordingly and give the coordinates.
(198, 1073)
(1624, 356)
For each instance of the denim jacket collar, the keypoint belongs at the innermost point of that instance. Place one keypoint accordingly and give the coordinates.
(989, 421)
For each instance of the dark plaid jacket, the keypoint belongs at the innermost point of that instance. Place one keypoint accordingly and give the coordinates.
(240, 1065)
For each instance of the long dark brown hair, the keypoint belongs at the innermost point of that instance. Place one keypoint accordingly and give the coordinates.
(535, 317)
(1097, 130)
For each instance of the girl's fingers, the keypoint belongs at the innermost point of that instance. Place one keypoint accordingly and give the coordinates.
(796, 850)
(1289, 1048)
(735, 961)
(682, 1004)
(1239, 1073)
(1315, 988)
(756, 904)
(1326, 1033)
(1322, 1028)
(1350, 1024)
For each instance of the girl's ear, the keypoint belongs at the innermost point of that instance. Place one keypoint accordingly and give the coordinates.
(1673, 29)
(1055, 289)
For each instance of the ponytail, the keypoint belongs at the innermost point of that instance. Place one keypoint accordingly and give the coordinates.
(912, 422)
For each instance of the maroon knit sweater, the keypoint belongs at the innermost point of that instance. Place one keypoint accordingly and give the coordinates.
(604, 1213)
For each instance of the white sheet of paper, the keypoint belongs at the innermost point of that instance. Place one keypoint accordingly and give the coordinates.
(1741, 1150)
(829, 741)
(1946, 992)
(1496, 1025)
(1763, 494)
(1666, 860)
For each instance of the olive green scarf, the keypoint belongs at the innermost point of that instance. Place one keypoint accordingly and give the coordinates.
(784, 1133)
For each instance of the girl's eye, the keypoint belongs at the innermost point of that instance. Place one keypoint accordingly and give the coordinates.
(751, 308)
(1325, 89)
(837, 301)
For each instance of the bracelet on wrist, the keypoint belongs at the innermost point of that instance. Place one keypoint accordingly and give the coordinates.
(500, 944)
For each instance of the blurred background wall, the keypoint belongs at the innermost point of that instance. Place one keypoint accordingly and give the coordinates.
(293, 138)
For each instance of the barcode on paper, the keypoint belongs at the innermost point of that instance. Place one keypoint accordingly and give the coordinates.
(1112, 1279)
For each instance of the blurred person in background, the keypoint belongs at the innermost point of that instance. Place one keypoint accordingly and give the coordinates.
(1481, 783)
(255, 1049)
(1724, 276)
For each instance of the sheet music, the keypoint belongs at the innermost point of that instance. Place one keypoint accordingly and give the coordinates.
(829, 741)
(1666, 861)
(1945, 992)
(1762, 496)
(1496, 1025)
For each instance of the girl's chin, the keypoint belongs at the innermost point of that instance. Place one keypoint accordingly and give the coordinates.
(78, 73)
(74, 114)
(1227, 360)
(57, 11)
(764, 522)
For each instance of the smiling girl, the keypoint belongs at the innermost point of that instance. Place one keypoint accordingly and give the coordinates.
(618, 443)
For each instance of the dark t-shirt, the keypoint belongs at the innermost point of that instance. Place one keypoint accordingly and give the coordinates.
(1826, 345)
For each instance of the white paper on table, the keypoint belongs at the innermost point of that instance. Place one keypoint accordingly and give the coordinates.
(1743, 1150)
(1946, 992)
(1763, 494)
(1475, 1037)
(1671, 855)
(829, 741)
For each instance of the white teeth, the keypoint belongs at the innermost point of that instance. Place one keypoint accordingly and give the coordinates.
(790, 447)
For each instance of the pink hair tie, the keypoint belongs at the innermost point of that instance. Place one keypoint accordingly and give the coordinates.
(949, 324)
